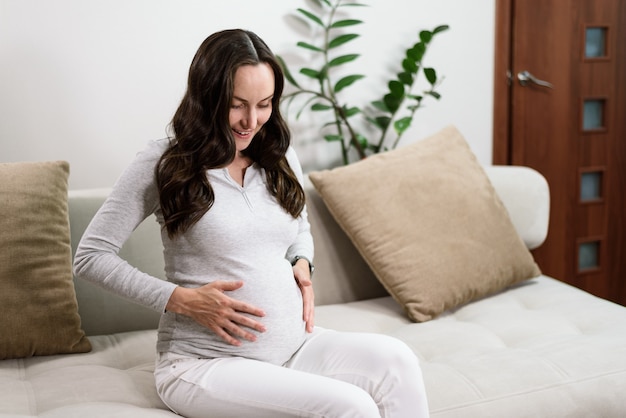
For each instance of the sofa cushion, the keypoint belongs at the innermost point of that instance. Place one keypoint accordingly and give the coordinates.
(38, 309)
(115, 379)
(429, 224)
(540, 348)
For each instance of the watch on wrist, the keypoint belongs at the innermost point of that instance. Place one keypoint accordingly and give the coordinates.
(299, 257)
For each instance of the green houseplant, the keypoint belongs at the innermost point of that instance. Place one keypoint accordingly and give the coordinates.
(390, 115)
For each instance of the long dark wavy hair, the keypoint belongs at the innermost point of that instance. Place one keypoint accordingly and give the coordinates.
(202, 136)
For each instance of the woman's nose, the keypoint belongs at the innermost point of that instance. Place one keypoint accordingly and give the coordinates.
(250, 119)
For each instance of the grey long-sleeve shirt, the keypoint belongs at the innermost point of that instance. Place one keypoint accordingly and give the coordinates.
(246, 236)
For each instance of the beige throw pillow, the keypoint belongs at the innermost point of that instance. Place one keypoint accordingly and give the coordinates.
(429, 224)
(38, 308)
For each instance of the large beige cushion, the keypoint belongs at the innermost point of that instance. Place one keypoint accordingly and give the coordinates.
(38, 309)
(429, 224)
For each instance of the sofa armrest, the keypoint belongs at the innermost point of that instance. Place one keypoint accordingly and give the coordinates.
(526, 196)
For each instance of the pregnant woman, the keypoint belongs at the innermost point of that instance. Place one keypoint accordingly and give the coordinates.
(237, 335)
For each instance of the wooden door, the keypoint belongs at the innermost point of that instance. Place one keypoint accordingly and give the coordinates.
(573, 132)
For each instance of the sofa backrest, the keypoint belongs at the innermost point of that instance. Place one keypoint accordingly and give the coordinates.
(341, 274)
(102, 312)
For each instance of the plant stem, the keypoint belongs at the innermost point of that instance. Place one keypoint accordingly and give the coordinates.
(340, 116)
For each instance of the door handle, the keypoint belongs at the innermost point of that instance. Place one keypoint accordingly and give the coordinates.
(525, 77)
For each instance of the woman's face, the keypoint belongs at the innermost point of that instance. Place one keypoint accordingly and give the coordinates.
(252, 102)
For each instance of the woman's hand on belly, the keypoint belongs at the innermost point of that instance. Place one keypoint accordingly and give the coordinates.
(209, 305)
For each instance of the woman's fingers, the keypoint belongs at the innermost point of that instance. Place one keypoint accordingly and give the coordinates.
(308, 298)
(308, 309)
(232, 332)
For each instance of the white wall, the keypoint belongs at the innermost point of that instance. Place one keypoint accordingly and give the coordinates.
(91, 81)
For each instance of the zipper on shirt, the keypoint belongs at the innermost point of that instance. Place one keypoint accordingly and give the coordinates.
(245, 197)
(242, 189)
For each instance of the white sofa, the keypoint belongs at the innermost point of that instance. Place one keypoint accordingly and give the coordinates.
(538, 349)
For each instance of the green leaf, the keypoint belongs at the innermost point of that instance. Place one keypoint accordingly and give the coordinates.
(362, 140)
(346, 22)
(396, 88)
(317, 107)
(440, 29)
(434, 94)
(417, 52)
(352, 4)
(331, 138)
(346, 81)
(309, 72)
(309, 46)
(392, 103)
(375, 148)
(406, 78)
(311, 16)
(342, 60)
(426, 36)
(409, 66)
(382, 121)
(348, 112)
(401, 125)
(286, 71)
(380, 105)
(341, 39)
(431, 75)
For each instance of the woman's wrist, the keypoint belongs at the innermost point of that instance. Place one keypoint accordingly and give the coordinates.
(176, 302)
(304, 262)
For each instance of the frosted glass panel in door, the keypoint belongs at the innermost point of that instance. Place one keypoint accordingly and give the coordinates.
(593, 114)
(595, 42)
(588, 255)
(591, 186)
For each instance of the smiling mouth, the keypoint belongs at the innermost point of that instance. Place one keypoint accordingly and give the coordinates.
(242, 133)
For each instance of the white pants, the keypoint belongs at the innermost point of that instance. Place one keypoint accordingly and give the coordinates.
(334, 374)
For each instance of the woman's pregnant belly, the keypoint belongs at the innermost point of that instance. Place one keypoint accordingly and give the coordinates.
(273, 290)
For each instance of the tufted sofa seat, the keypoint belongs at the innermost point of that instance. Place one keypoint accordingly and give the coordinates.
(541, 348)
